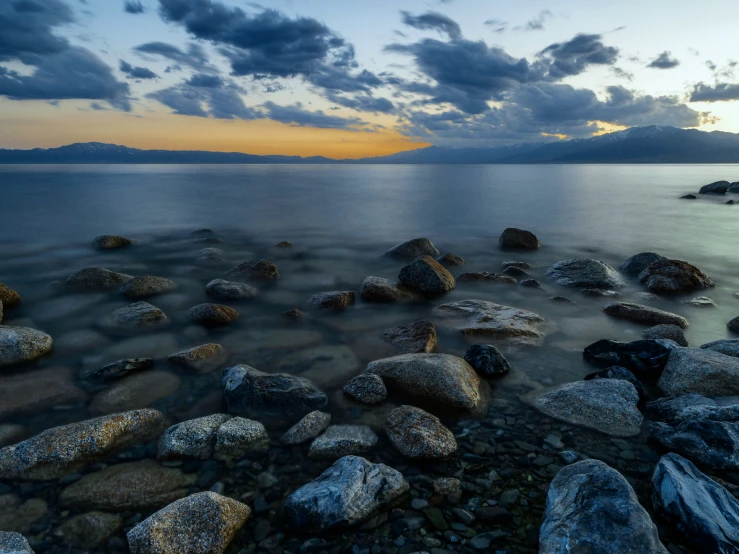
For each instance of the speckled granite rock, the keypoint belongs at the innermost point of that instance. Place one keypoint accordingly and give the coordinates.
(701, 371)
(200, 359)
(418, 434)
(237, 436)
(426, 275)
(96, 279)
(111, 242)
(481, 317)
(330, 301)
(585, 273)
(416, 337)
(22, 344)
(518, 239)
(312, 425)
(713, 444)
(14, 543)
(92, 530)
(136, 317)
(366, 388)
(212, 315)
(147, 285)
(342, 440)
(195, 438)
(412, 249)
(255, 270)
(728, 347)
(379, 289)
(230, 290)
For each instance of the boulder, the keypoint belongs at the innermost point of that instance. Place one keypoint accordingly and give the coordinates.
(230, 290)
(426, 275)
(134, 392)
(481, 317)
(519, 265)
(116, 370)
(666, 331)
(8, 296)
(350, 491)
(145, 286)
(585, 273)
(96, 279)
(200, 359)
(418, 434)
(689, 197)
(136, 317)
(193, 439)
(212, 315)
(450, 260)
(734, 187)
(591, 508)
(530, 283)
(733, 325)
(334, 301)
(728, 347)
(14, 543)
(412, 249)
(638, 263)
(487, 360)
(21, 345)
(366, 388)
(713, 444)
(485, 277)
(419, 336)
(255, 270)
(701, 302)
(701, 371)
(34, 392)
(674, 276)
(342, 440)
(111, 242)
(518, 239)
(379, 289)
(670, 409)
(238, 436)
(312, 425)
(646, 315)
(616, 372)
(516, 272)
(91, 531)
(600, 293)
(644, 356)
(718, 187)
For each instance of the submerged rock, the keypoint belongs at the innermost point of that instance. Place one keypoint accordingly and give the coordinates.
(718, 187)
(713, 444)
(238, 436)
(728, 347)
(200, 359)
(350, 491)
(487, 360)
(91, 531)
(312, 425)
(378, 289)
(485, 277)
(412, 249)
(194, 439)
(646, 315)
(323, 365)
(701, 371)
(639, 262)
(450, 260)
(330, 301)
(111, 242)
(418, 434)
(426, 275)
(646, 356)
(674, 276)
(96, 279)
(669, 332)
(21, 345)
(19, 515)
(585, 273)
(689, 197)
(342, 440)
(116, 370)
(419, 336)
(518, 239)
(8, 296)
(480, 317)
(701, 302)
(733, 325)
(136, 317)
(148, 285)
(134, 391)
(255, 270)
(212, 315)
(366, 388)
(230, 290)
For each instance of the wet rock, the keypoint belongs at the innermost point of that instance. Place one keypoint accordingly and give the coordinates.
(718, 187)
(520, 265)
(323, 365)
(480, 317)
(669, 332)
(139, 316)
(14, 543)
(143, 485)
(563, 300)
(591, 506)
(450, 260)
(255, 270)
(330, 301)
(426, 275)
(17, 515)
(418, 434)
(111, 242)
(96, 279)
(487, 360)
(276, 397)
(92, 530)
(624, 374)
(342, 440)
(518, 239)
(238, 436)
(701, 371)
(61, 450)
(230, 290)
(134, 392)
(606, 405)
(638, 263)
(701, 302)
(689, 197)
(638, 313)
(728, 347)
(701, 510)
(670, 409)
(293, 315)
(485, 277)
(674, 276)
(350, 491)
(145, 286)
(530, 283)
(734, 187)
(645, 356)
(447, 485)
(733, 325)
(585, 273)
(212, 315)
(116, 370)
(713, 444)
(419, 336)
(204, 522)
(200, 359)
(412, 249)
(600, 293)
(31, 393)
(285, 244)
(21, 344)
(378, 289)
(366, 388)
(307, 428)
(194, 439)
(516, 272)
(435, 378)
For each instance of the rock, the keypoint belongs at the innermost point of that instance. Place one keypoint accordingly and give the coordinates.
(701, 302)
(323, 365)
(434, 378)
(116, 370)
(516, 272)
(21, 344)
(701, 510)
(563, 300)
(366, 388)
(485, 277)
(307, 428)
(450, 260)
(713, 444)
(378, 289)
(689, 197)
(194, 439)
(701, 371)
(419, 336)
(200, 359)
(412, 249)
(330, 301)
(530, 283)
(293, 315)
(212, 315)
(606, 405)
(145, 286)
(718, 187)
(518, 239)
(134, 392)
(585, 273)
(487, 360)
(733, 325)
(111, 242)
(447, 485)
(646, 356)
(616, 372)
(674, 276)
(230, 290)
(426, 275)
(272, 398)
(14, 543)
(91, 531)
(350, 491)
(31, 393)
(17, 515)
(480, 317)
(591, 508)
(418, 434)
(671, 409)
(238, 436)
(600, 293)
(669, 332)
(647, 315)
(285, 244)
(639, 262)
(342, 440)
(96, 279)
(734, 187)
(520, 265)
(728, 347)
(255, 270)
(61, 450)
(139, 316)
(204, 522)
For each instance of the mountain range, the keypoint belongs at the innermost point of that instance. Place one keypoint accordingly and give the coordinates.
(651, 144)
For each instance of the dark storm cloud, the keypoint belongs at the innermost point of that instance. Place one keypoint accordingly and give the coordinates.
(201, 97)
(433, 21)
(27, 29)
(664, 61)
(296, 116)
(339, 80)
(136, 72)
(719, 92)
(133, 6)
(576, 55)
(203, 80)
(195, 57)
(363, 103)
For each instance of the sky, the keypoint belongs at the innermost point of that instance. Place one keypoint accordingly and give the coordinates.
(360, 78)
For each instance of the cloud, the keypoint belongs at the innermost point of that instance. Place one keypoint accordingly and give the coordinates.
(573, 57)
(664, 61)
(133, 6)
(202, 96)
(137, 72)
(363, 103)
(340, 80)
(537, 23)
(203, 80)
(433, 21)
(28, 29)
(195, 57)
(296, 116)
(719, 92)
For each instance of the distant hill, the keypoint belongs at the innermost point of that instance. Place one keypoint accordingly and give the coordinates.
(652, 144)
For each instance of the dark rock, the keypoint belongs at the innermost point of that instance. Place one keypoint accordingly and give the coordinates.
(647, 356)
(91, 531)
(230, 290)
(111, 242)
(585, 273)
(193, 439)
(638, 313)
(514, 271)
(307, 428)
(485, 277)
(96, 279)
(21, 345)
(562, 300)
(518, 239)
(285, 244)
(670, 409)
(19, 515)
(200, 359)
(718, 187)
(334, 301)
(212, 315)
(728, 347)
(148, 285)
(366, 388)
(342, 440)
(239, 436)
(733, 325)
(624, 374)
(293, 315)
(674, 276)
(639, 262)
(450, 260)
(412, 249)
(701, 302)
(689, 197)
(713, 444)
(669, 332)
(378, 289)
(8, 296)
(520, 265)
(418, 434)
(734, 187)
(531, 283)
(416, 337)
(119, 369)
(487, 360)
(426, 275)
(481, 317)
(136, 317)
(255, 270)
(701, 371)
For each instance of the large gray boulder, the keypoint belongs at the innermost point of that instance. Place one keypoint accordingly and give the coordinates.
(426, 275)
(713, 444)
(728, 347)
(21, 344)
(418, 434)
(700, 371)
(14, 543)
(703, 512)
(585, 273)
(639, 262)
(481, 317)
(674, 276)
(204, 522)
(412, 249)
(592, 509)
(194, 439)
(350, 491)
(645, 315)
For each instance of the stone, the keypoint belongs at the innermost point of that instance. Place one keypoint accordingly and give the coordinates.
(671, 409)
(136, 317)
(342, 440)
(212, 315)
(134, 392)
(418, 434)
(666, 331)
(334, 301)
(585, 273)
(518, 239)
(606, 405)
(487, 360)
(701, 302)
(644, 356)
(689, 197)
(517, 264)
(638, 263)
(701, 371)
(350, 491)
(591, 508)
(238, 436)
(145, 286)
(530, 283)
(481, 317)
(450, 260)
(20, 345)
(674, 276)
(728, 347)
(563, 300)
(412, 249)
(517, 272)
(426, 275)
(714, 444)
(447, 485)
(200, 359)
(18, 515)
(255, 270)
(8, 296)
(32, 393)
(230, 290)
(62, 450)
(600, 293)
(733, 325)
(14, 543)
(111, 242)
(270, 398)
(616, 372)
(379, 289)
(325, 365)
(204, 522)
(734, 187)
(116, 370)
(646, 315)
(312, 425)
(419, 336)
(718, 187)
(366, 388)
(96, 279)
(485, 277)
(439, 379)
(192, 439)
(91, 531)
